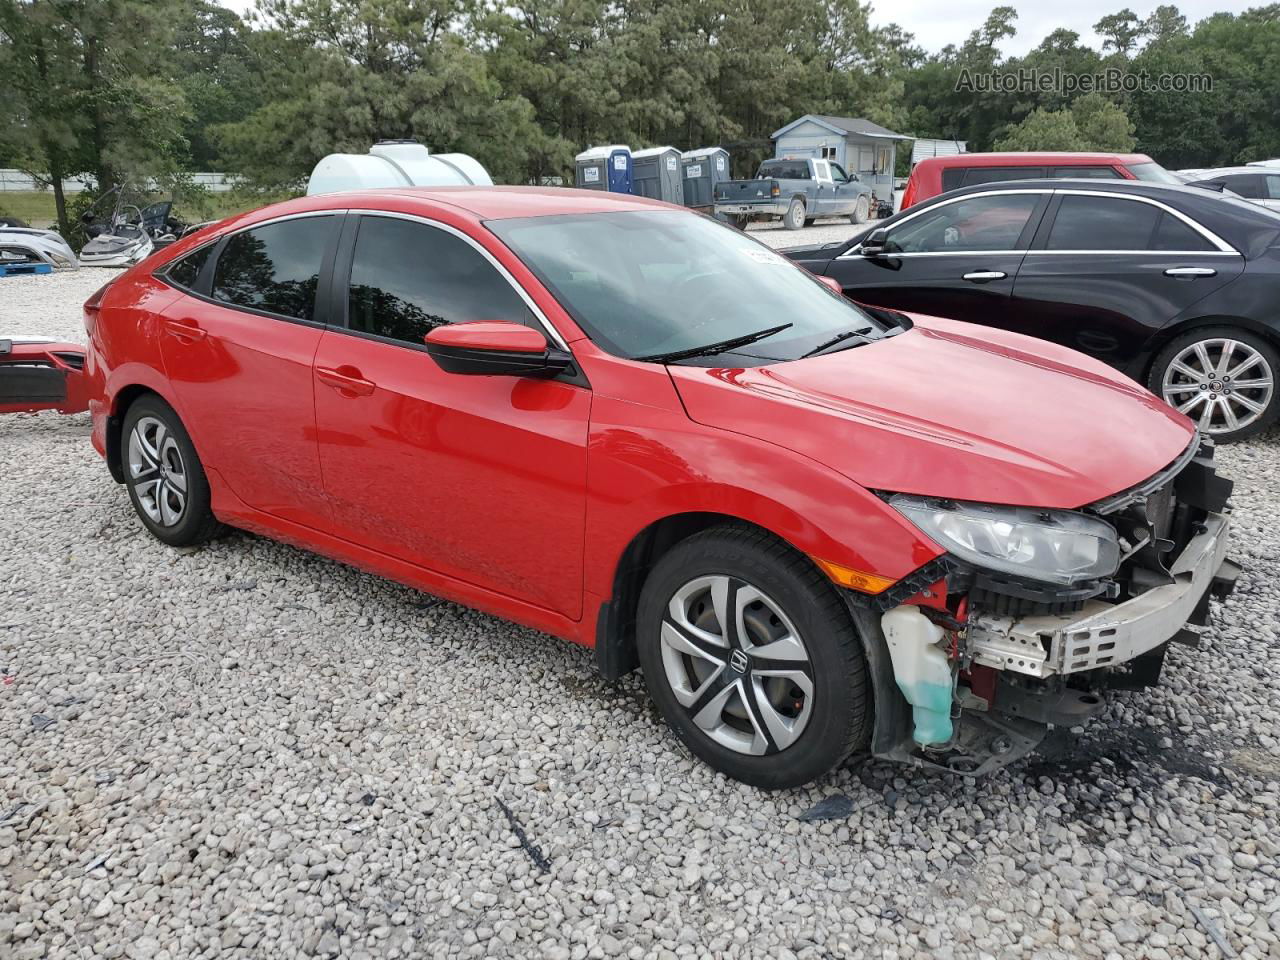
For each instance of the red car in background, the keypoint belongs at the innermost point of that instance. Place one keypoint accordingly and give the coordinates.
(820, 529)
(935, 175)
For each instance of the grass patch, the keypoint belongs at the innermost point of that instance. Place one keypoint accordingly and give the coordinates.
(37, 207)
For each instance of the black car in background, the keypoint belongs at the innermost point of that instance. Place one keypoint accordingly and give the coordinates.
(1177, 287)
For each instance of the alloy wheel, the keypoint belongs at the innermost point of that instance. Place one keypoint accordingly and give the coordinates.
(737, 665)
(157, 473)
(1223, 384)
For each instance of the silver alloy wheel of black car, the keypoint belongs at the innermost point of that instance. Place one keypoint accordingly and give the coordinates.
(736, 663)
(1222, 383)
(157, 472)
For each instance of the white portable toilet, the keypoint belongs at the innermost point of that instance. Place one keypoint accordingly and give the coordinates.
(396, 163)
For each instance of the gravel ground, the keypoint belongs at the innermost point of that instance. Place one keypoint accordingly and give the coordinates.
(247, 751)
(823, 231)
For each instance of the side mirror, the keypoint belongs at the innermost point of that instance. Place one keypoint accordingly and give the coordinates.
(494, 348)
(876, 242)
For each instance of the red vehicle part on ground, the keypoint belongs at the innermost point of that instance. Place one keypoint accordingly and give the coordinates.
(935, 175)
(525, 400)
(41, 374)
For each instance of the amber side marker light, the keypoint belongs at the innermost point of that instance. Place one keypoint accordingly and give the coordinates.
(854, 579)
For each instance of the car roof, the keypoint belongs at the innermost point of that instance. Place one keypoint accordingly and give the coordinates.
(482, 203)
(1031, 159)
(1210, 172)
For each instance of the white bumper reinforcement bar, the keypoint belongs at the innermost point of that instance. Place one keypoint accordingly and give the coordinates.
(1103, 634)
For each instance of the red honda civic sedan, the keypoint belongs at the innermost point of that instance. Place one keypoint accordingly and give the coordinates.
(819, 529)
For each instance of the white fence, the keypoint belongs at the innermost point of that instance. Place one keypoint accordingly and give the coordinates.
(11, 180)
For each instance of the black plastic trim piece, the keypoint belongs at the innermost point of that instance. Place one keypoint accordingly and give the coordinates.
(20, 383)
(925, 576)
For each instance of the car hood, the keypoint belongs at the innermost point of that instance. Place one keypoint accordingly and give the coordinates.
(951, 410)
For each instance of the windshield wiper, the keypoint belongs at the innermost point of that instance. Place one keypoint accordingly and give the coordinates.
(711, 349)
(838, 338)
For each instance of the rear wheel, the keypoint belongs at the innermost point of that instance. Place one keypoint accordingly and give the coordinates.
(1221, 377)
(741, 220)
(794, 218)
(751, 656)
(861, 210)
(166, 481)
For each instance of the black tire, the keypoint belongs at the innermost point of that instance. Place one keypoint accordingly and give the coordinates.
(810, 221)
(192, 524)
(741, 220)
(1270, 359)
(841, 713)
(793, 219)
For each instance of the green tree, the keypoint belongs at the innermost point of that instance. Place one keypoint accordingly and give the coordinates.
(1121, 32)
(88, 90)
(1091, 123)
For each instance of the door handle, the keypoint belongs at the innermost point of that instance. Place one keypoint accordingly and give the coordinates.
(984, 276)
(1190, 273)
(184, 329)
(346, 380)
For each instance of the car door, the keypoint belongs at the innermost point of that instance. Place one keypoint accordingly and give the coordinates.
(956, 258)
(479, 478)
(238, 349)
(824, 191)
(1107, 270)
(847, 191)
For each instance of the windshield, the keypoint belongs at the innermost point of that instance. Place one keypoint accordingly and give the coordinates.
(1152, 172)
(646, 283)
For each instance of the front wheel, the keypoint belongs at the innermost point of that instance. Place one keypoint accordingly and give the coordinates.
(752, 658)
(1221, 377)
(794, 217)
(861, 210)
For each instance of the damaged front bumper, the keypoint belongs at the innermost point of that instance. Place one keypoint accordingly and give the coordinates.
(1022, 660)
(1107, 634)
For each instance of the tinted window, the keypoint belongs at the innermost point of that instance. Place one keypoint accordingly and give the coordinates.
(1247, 185)
(275, 268)
(186, 270)
(1000, 174)
(1103, 223)
(783, 170)
(953, 177)
(1088, 173)
(1173, 234)
(408, 278)
(1273, 186)
(981, 223)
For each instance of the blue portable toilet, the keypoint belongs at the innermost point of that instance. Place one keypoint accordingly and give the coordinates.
(604, 168)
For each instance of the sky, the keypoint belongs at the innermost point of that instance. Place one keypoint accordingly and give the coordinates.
(936, 23)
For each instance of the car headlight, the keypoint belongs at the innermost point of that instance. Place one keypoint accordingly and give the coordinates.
(1061, 547)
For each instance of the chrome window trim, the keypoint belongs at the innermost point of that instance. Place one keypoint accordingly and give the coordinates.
(852, 253)
(547, 325)
(1221, 247)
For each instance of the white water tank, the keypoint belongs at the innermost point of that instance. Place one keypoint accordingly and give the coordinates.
(396, 163)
